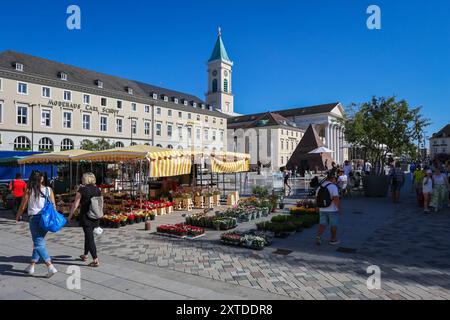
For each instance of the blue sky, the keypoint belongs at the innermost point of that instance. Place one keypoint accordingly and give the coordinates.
(286, 53)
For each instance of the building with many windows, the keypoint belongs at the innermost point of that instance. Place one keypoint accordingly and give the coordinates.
(440, 142)
(47, 105)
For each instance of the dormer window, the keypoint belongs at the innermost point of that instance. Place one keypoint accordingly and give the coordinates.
(203, 106)
(210, 108)
(99, 83)
(130, 90)
(155, 96)
(63, 76)
(194, 104)
(165, 98)
(185, 102)
(18, 66)
(175, 100)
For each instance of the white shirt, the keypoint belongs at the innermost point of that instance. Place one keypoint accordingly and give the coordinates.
(367, 166)
(35, 204)
(334, 192)
(342, 181)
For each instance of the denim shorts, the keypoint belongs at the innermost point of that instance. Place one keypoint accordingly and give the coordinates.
(329, 218)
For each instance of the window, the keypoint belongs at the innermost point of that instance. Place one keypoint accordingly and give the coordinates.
(147, 109)
(169, 130)
(185, 102)
(214, 85)
(180, 114)
(45, 144)
(133, 106)
(67, 119)
(282, 160)
(130, 90)
(46, 92)
(175, 100)
(198, 134)
(119, 144)
(206, 132)
(169, 146)
(99, 83)
(221, 135)
(103, 123)
(119, 125)
(214, 135)
(22, 115)
(86, 99)
(158, 111)
(159, 145)
(189, 132)
(119, 104)
(19, 66)
(103, 102)
(22, 143)
(22, 88)
(67, 96)
(46, 118)
(169, 113)
(133, 144)
(86, 121)
(1, 111)
(66, 144)
(221, 121)
(214, 120)
(166, 98)
(206, 118)
(247, 144)
(282, 144)
(198, 117)
(133, 126)
(1, 84)
(158, 129)
(180, 132)
(194, 104)
(155, 96)
(147, 128)
(189, 116)
(63, 76)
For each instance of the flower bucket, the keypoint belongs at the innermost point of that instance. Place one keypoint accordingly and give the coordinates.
(198, 202)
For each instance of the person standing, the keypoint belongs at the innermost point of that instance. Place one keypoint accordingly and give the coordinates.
(342, 182)
(35, 198)
(83, 197)
(440, 190)
(397, 177)
(427, 189)
(347, 168)
(417, 182)
(367, 167)
(18, 188)
(329, 206)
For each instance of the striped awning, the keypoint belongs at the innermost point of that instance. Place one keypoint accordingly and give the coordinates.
(169, 163)
(54, 157)
(131, 153)
(219, 166)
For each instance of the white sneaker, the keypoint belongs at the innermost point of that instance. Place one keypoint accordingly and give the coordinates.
(51, 271)
(30, 269)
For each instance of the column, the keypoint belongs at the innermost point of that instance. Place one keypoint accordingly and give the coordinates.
(327, 135)
(336, 150)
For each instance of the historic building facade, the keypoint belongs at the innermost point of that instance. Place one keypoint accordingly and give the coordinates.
(324, 118)
(440, 142)
(46, 105)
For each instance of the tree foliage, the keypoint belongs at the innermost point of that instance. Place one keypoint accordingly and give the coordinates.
(97, 145)
(384, 126)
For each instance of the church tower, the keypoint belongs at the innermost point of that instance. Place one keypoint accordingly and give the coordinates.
(220, 85)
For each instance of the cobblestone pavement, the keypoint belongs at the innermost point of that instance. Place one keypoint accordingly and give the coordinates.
(410, 248)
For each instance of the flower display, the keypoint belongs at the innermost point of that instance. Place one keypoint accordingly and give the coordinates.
(245, 239)
(181, 230)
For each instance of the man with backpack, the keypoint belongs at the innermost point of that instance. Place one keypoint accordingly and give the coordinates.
(328, 203)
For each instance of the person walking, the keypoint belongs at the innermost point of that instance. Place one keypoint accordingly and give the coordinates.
(417, 183)
(35, 197)
(18, 188)
(397, 177)
(367, 167)
(440, 190)
(286, 179)
(347, 168)
(83, 197)
(427, 189)
(329, 206)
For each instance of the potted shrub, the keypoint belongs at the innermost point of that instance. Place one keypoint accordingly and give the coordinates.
(382, 127)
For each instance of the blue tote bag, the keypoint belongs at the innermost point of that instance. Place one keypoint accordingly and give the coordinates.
(51, 220)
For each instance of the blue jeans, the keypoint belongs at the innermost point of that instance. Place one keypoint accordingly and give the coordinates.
(329, 218)
(39, 250)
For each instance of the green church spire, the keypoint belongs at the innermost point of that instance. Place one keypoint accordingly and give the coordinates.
(219, 52)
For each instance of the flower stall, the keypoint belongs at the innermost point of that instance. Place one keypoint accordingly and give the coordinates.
(250, 239)
(181, 230)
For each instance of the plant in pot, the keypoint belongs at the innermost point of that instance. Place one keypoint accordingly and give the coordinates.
(380, 128)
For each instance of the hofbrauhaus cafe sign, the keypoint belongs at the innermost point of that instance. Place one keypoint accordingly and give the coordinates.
(78, 106)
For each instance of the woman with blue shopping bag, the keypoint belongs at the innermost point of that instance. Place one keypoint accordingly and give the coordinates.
(40, 201)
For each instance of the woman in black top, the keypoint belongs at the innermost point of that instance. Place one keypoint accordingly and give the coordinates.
(83, 199)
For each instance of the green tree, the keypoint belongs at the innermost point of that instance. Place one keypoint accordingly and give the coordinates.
(383, 127)
(97, 145)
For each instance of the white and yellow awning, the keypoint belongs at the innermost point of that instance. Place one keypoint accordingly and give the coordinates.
(219, 166)
(131, 153)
